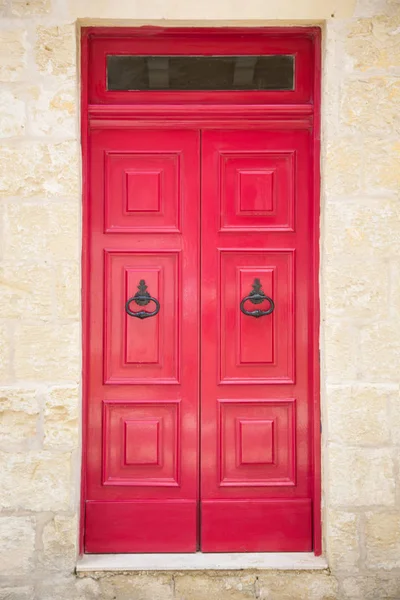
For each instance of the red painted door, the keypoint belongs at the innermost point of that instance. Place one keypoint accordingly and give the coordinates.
(254, 280)
(255, 374)
(142, 385)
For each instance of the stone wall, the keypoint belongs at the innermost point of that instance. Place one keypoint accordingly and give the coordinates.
(40, 356)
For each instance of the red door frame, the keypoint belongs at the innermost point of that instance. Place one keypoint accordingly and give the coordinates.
(209, 110)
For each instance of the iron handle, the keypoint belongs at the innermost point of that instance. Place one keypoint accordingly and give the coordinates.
(142, 298)
(257, 296)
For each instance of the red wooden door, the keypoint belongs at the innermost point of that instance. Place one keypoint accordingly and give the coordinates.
(255, 374)
(142, 386)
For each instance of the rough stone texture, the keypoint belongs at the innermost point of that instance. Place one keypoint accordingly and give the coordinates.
(40, 359)
(17, 536)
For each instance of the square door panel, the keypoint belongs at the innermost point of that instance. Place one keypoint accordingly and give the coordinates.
(141, 350)
(257, 349)
(257, 442)
(257, 191)
(142, 192)
(140, 443)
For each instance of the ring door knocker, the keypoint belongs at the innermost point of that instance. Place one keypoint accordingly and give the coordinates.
(257, 296)
(142, 298)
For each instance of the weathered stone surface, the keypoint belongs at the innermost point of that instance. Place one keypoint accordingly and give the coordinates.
(28, 8)
(139, 587)
(371, 105)
(17, 593)
(343, 166)
(61, 418)
(13, 56)
(47, 232)
(44, 481)
(356, 288)
(19, 412)
(224, 587)
(12, 114)
(53, 111)
(340, 348)
(58, 588)
(26, 290)
(360, 476)
(359, 415)
(380, 351)
(287, 585)
(17, 536)
(382, 536)
(382, 166)
(343, 551)
(38, 169)
(374, 43)
(56, 51)
(68, 291)
(47, 351)
(362, 229)
(5, 353)
(60, 536)
(371, 587)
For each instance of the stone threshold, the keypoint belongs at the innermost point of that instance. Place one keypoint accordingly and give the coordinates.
(285, 561)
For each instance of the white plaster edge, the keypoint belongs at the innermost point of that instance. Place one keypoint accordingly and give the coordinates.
(200, 562)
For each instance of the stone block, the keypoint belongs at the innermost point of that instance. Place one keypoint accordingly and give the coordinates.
(342, 166)
(382, 166)
(5, 354)
(62, 587)
(293, 585)
(356, 288)
(379, 356)
(19, 413)
(382, 540)
(56, 51)
(362, 229)
(371, 587)
(53, 111)
(39, 169)
(47, 351)
(12, 114)
(339, 351)
(224, 587)
(26, 290)
(68, 291)
(359, 415)
(42, 233)
(374, 43)
(13, 54)
(61, 411)
(342, 540)
(371, 105)
(30, 8)
(36, 481)
(139, 587)
(360, 476)
(17, 593)
(60, 537)
(17, 535)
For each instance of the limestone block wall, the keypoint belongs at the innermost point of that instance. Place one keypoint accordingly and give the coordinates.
(40, 323)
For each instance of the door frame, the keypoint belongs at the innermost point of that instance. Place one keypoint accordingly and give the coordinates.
(245, 113)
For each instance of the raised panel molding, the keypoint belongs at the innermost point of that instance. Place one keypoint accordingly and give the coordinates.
(257, 442)
(142, 192)
(141, 443)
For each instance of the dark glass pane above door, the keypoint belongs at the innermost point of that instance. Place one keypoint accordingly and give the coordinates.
(191, 73)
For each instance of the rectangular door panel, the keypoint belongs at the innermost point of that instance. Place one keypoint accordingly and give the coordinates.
(255, 387)
(140, 351)
(257, 349)
(141, 432)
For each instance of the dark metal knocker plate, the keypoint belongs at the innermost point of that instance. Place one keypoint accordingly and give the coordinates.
(142, 298)
(257, 296)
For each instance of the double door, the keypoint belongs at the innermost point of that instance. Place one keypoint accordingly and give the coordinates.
(199, 376)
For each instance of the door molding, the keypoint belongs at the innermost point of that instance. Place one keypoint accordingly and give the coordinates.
(248, 112)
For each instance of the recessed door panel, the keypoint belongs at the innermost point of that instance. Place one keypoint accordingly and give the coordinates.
(140, 351)
(257, 349)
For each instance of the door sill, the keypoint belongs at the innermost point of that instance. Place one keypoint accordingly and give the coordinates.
(200, 562)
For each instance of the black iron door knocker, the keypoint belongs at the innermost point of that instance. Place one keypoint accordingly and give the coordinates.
(142, 298)
(257, 296)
